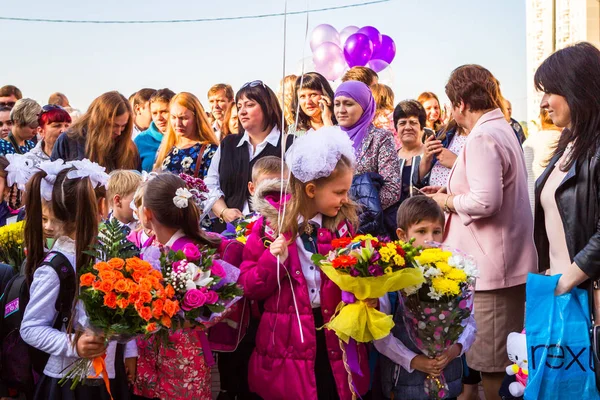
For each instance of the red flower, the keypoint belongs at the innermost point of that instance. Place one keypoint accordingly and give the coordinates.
(400, 251)
(344, 262)
(341, 242)
(249, 228)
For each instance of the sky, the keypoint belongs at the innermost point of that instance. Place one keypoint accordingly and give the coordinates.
(84, 60)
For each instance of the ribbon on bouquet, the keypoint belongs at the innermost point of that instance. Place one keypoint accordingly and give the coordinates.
(99, 366)
(350, 352)
(208, 356)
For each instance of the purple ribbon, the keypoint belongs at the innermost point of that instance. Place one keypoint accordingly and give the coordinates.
(352, 347)
(348, 297)
(208, 356)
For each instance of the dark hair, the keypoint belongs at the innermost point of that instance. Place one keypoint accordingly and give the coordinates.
(215, 89)
(158, 194)
(10, 90)
(416, 209)
(267, 100)
(55, 114)
(313, 81)
(410, 108)
(5, 109)
(361, 74)
(75, 204)
(3, 165)
(574, 73)
(476, 87)
(143, 96)
(162, 95)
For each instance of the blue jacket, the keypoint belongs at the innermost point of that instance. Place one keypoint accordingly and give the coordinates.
(365, 191)
(148, 143)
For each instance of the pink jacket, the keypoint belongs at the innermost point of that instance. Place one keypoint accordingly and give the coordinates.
(493, 220)
(282, 367)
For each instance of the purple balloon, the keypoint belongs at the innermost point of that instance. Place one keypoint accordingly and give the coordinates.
(373, 34)
(358, 50)
(346, 32)
(387, 50)
(377, 65)
(329, 61)
(323, 33)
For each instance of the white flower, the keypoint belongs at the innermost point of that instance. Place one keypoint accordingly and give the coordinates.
(189, 285)
(200, 278)
(456, 260)
(471, 268)
(181, 199)
(20, 170)
(409, 291)
(175, 151)
(433, 294)
(186, 163)
(166, 162)
(432, 272)
(88, 169)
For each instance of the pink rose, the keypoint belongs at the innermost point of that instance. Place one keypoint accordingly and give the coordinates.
(191, 252)
(193, 298)
(218, 270)
(211, 297)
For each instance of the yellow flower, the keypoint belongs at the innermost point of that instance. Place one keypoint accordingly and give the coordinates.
(443, 266)
(433, 255)
(386, 254)
(445, 286)
(388, 270)
(360, 238)
(456, 275)
(399, 260)
(241, 239)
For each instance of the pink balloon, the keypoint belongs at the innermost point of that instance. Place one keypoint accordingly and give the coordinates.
(377, 65)
(358, 50)
(373, 34)
(387, 50)
(329, 61)
(346, 32)
(323, 33)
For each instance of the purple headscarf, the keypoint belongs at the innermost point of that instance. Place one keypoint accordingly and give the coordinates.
(363, 96)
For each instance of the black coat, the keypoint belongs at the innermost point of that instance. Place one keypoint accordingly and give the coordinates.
(365, 191)
(578, 201)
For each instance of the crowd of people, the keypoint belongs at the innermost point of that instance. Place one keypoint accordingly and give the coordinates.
(463, 174)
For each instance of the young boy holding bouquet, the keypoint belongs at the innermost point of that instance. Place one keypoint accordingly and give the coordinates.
(404, 367)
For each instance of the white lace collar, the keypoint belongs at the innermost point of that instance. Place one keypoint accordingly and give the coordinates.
(65, 245)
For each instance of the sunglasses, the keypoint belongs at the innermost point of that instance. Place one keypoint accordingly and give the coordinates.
(10, 104)
(50, 107)
(253, 84)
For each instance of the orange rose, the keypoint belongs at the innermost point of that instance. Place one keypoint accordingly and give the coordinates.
(145, 296)
(146, 284)
(110, 300)
(151, 327)
(87, 279)
(134, 298)
(116, 263)
(102, 266)
(139, 265)
(166, 321)
(157, 308)
(138, 276)
(171, 307)
(122, 302)
(145, 313)
(132, 287)
(107, 276)
(97, 285)
(160, 293)
(106, 286)
(118, 275)
(170, 291)
(121, 285)
(156, 274)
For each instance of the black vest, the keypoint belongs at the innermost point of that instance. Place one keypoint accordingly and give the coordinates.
(235, 168)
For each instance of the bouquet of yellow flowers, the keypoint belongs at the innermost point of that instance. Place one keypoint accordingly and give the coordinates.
(12, 249)
(435, 309)
(365, 267)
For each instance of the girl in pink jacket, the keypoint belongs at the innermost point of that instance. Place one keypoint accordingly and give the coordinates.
(294, 359)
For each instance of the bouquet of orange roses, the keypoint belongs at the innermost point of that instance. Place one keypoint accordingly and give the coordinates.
(119, 298)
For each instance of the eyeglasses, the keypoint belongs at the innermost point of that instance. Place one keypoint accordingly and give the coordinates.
(253, 84)
(10, 104)
(8, 123)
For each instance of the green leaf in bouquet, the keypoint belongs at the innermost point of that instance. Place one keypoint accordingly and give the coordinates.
(318, 258)
(216, 308)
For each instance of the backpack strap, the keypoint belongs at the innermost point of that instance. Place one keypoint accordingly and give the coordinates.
(68, 286)
(200, 159)
(13, 141)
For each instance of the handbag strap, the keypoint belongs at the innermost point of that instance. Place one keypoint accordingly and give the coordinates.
(199, 160)
(13, 141)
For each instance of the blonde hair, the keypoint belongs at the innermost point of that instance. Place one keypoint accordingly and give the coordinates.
(96, 127)
(122, 182)
(204, 131)
(269, 165)
(289, 83)
(299, 201)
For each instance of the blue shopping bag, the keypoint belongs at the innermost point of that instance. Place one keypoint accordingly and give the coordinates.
(560, 357)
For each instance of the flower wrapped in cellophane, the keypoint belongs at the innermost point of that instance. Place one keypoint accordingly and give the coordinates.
(241, 229)
(368, 268)
(12, 251)
(435, 309)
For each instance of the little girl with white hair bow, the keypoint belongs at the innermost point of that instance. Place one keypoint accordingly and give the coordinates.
(292, 359)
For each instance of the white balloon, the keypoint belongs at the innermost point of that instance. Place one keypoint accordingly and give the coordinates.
(387, 76)
(324, 33)
(346, 32)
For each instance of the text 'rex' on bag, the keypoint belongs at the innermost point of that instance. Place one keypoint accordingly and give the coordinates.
(559, 350)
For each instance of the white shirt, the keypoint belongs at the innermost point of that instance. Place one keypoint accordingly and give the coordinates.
(312, 274)
(177, 235)
(37, 330)
(212, 178)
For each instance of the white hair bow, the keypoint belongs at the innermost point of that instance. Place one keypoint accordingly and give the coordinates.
(88, 169)
(182, 196)
(52, 169)
(20, 169)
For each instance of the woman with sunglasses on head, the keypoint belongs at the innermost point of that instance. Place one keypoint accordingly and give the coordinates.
(53, 121)
(260, 135)
(24, 116)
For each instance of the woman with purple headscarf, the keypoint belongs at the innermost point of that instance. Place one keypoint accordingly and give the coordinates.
(354, 108)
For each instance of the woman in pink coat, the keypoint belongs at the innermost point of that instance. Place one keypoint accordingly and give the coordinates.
(489, 217)
(297, 296)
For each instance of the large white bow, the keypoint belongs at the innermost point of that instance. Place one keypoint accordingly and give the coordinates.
(88, 169)
(52, 169)
(20, 169)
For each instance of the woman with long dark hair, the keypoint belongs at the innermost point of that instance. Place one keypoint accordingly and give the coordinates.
(312, 106)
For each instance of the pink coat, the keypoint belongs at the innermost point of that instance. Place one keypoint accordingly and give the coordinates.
(493, 220)
(282, 367)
